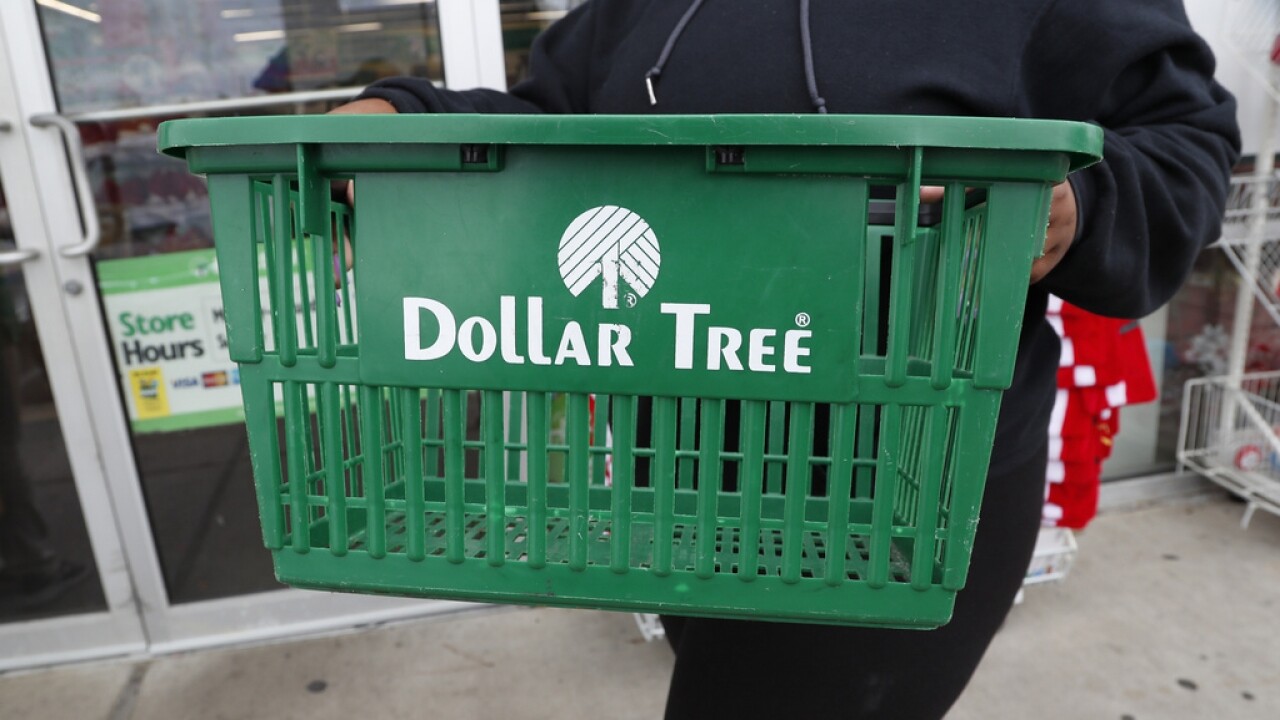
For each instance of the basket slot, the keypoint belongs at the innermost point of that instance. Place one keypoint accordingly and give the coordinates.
(515, 423)
(971, 260)
(948, 285)
(664, 446)
(623, 482)
(797, 487)
(885, 487)
(344, 227)
(600, 435)
(454, 404)
(839, 480)
(297, 282)
(284, 327)
(334, 473)
(577, 472)
(777, 440)
(1008, 226)
(371, 456)
(537, 502)
(709, 477)
(751, 479)
(969, 457)
(901, 282)
(260, 419)
(688, 442)
(326, 313)
(495, 476)
(934, 450)
(296, 432)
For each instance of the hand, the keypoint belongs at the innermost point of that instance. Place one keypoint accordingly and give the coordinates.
(1063, 217)
(367, 106)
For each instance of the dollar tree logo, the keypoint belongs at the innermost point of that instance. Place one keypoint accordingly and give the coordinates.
(611, 243)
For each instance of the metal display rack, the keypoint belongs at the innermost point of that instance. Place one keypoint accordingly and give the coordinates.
(1230, 424)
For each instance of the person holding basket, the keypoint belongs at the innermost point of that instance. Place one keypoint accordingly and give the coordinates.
(1121, 239)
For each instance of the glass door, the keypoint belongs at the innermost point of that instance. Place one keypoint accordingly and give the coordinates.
(64, 591)
(130, 242)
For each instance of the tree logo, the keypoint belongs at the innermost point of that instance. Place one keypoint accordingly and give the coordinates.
(610, 242)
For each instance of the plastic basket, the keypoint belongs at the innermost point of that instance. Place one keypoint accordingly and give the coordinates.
(774, 407)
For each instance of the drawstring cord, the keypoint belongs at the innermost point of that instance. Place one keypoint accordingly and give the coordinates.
(811, 80)
(819, 103)
(656, 70)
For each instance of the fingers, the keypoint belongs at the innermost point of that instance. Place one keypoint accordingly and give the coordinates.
(367, 106)
(1063, 219)
(343, 261)
(931, 193)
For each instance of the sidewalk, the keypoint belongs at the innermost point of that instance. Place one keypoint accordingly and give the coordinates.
(1169, 614)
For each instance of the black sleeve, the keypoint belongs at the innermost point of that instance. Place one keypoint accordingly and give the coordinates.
(1171, 138)
(561, 61)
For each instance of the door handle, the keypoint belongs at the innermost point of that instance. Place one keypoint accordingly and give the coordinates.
(80, 177)
(15, 257)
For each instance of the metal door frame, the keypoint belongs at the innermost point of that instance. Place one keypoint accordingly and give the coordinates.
(32, 161)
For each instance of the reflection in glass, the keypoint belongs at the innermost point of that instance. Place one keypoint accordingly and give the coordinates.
(46, 563)
(522, 20)
(136, 53)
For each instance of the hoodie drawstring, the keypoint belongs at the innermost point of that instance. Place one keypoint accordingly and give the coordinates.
(819, 103)
(655, 72)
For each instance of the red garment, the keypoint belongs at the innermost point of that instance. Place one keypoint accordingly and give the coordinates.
(1103, 367)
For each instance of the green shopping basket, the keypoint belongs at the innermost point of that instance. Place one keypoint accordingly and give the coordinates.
(695, 365)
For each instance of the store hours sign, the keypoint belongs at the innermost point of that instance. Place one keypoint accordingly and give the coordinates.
(169, 338)
(168, 335)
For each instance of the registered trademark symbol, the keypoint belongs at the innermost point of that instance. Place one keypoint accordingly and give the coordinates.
(802, 320)
(631, 300)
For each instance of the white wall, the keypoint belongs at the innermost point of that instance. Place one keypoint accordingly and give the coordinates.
(1231, 27)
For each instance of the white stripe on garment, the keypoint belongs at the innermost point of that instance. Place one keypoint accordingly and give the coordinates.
(1059, 416)
(1056, 471)
(1085, 376)
(1117, 395)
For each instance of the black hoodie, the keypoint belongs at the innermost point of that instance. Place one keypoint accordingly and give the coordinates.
(1135, 67)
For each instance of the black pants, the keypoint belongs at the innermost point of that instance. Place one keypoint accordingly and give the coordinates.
(742, 669)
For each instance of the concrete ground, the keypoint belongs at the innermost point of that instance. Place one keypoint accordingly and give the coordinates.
(1170, 613)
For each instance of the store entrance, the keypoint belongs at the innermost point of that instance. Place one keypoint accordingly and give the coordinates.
(127, 493)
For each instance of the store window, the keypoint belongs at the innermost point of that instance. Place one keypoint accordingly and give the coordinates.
(135, 53)
(522, 20)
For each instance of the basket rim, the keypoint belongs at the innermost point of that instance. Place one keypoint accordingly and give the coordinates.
(1081, 142)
